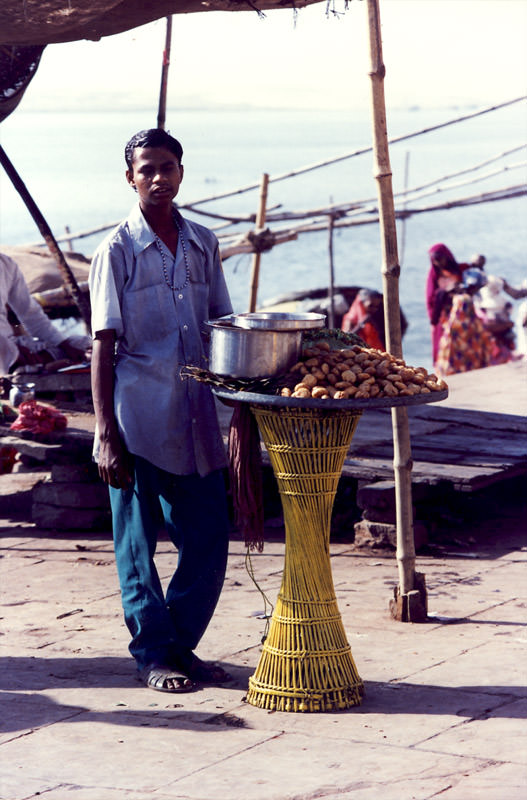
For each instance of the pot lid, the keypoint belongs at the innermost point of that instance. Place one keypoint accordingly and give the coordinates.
(278, 321)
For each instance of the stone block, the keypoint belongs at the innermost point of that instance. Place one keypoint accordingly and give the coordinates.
(72, 495)
(375, 534)
(75, 473)
(62, 518)
(16, 491)
(375, 515)
(379, 495)
(383, 534)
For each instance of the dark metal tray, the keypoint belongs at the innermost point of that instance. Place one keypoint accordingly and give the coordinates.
(277, 401)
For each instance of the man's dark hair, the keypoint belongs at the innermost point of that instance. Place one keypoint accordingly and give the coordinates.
(153, 137)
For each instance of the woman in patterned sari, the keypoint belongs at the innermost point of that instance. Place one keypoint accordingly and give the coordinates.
(465, 344)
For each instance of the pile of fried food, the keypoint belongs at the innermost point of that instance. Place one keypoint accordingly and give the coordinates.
(357, 372)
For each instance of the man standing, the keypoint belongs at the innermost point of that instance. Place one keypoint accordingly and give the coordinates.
(154, 281)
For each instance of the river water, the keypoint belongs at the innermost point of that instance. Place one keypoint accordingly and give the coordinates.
(73, 165)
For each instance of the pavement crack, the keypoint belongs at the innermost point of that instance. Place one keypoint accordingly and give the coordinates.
(219, 761)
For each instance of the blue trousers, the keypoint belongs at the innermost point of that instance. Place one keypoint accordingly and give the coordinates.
(193, 511)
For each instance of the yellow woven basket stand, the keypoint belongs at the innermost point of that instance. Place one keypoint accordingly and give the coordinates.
(306, 662)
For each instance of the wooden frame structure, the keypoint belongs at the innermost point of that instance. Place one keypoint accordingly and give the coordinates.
(44, 24)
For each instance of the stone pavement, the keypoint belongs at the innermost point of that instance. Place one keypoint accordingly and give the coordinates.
(443, 713)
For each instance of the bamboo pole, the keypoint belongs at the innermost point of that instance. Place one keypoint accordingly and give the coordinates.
(68, 240)
(260, 222)
(242, 245)
(53, 299)
(331, 286)
(390, 273)
(162, 107)
(361, 151)
(341, 208)
(67, 275)
(237, 243)
(403, 226)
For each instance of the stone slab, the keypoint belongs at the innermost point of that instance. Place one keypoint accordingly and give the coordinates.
(443, 699)
(100, 750)
(498, 734)
(334, 765)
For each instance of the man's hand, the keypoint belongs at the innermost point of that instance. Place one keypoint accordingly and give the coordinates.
(114, 463)
(72, 352)
(27, 356)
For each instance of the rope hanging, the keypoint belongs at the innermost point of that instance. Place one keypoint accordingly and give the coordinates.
(245, 476)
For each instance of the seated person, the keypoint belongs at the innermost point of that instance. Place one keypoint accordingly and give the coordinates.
(40, 341)
(465, 344)
(495, 310)
(361, 318)
(521, 347)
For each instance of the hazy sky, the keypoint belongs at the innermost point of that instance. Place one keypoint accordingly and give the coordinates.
(437, 53)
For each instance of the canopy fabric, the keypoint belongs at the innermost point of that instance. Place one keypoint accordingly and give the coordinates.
(17, 67)
(40, 269)
(41, 22)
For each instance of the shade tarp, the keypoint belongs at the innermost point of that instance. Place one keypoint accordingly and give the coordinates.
(41, 22)
(40, 269)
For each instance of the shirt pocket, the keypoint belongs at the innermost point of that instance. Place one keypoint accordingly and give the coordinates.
(199, 290)
(149, 314)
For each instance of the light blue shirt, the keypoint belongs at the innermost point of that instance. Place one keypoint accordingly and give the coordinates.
(168, 421)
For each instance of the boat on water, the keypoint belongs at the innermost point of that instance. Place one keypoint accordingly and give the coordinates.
(319, 301)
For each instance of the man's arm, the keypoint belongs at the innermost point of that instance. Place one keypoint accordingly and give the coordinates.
(114, 462)
(34, 318)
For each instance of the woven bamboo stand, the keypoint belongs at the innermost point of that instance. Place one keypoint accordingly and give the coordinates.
(306, 662)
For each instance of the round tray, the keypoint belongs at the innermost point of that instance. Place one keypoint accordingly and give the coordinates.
(277, 321)
(309, 402)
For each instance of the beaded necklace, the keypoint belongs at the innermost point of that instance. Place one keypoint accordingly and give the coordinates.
(163, 259)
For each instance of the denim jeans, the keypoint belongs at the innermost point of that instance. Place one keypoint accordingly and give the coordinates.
(193, 511)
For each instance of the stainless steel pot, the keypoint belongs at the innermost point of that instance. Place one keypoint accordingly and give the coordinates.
(251, 353)
(279, 321)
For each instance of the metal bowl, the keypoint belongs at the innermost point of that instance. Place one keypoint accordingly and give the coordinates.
(243, 353)
(278, 321)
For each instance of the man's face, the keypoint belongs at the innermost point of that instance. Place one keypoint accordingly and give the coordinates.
(156, 174)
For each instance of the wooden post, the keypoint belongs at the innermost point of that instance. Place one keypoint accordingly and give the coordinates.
(67, 275)
(162, 108)
(403, 222)
(260, 222)
(68, 241)
(390, 273)
(331, 285)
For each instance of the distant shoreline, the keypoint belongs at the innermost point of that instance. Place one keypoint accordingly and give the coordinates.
(235, 108)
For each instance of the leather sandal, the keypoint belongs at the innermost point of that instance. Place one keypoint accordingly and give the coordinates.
(166, 679)
(205, 671)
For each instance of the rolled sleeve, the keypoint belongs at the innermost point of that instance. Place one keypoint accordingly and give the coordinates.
(105, 303)
(220, 302)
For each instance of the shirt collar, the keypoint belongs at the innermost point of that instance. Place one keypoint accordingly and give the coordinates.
(143, 235)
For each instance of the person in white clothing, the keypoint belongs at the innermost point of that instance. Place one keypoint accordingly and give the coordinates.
(42, 334)
(493, 307)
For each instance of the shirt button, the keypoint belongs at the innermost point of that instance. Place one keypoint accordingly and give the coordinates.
(185, 327)
(194, 421)
(180, 296)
